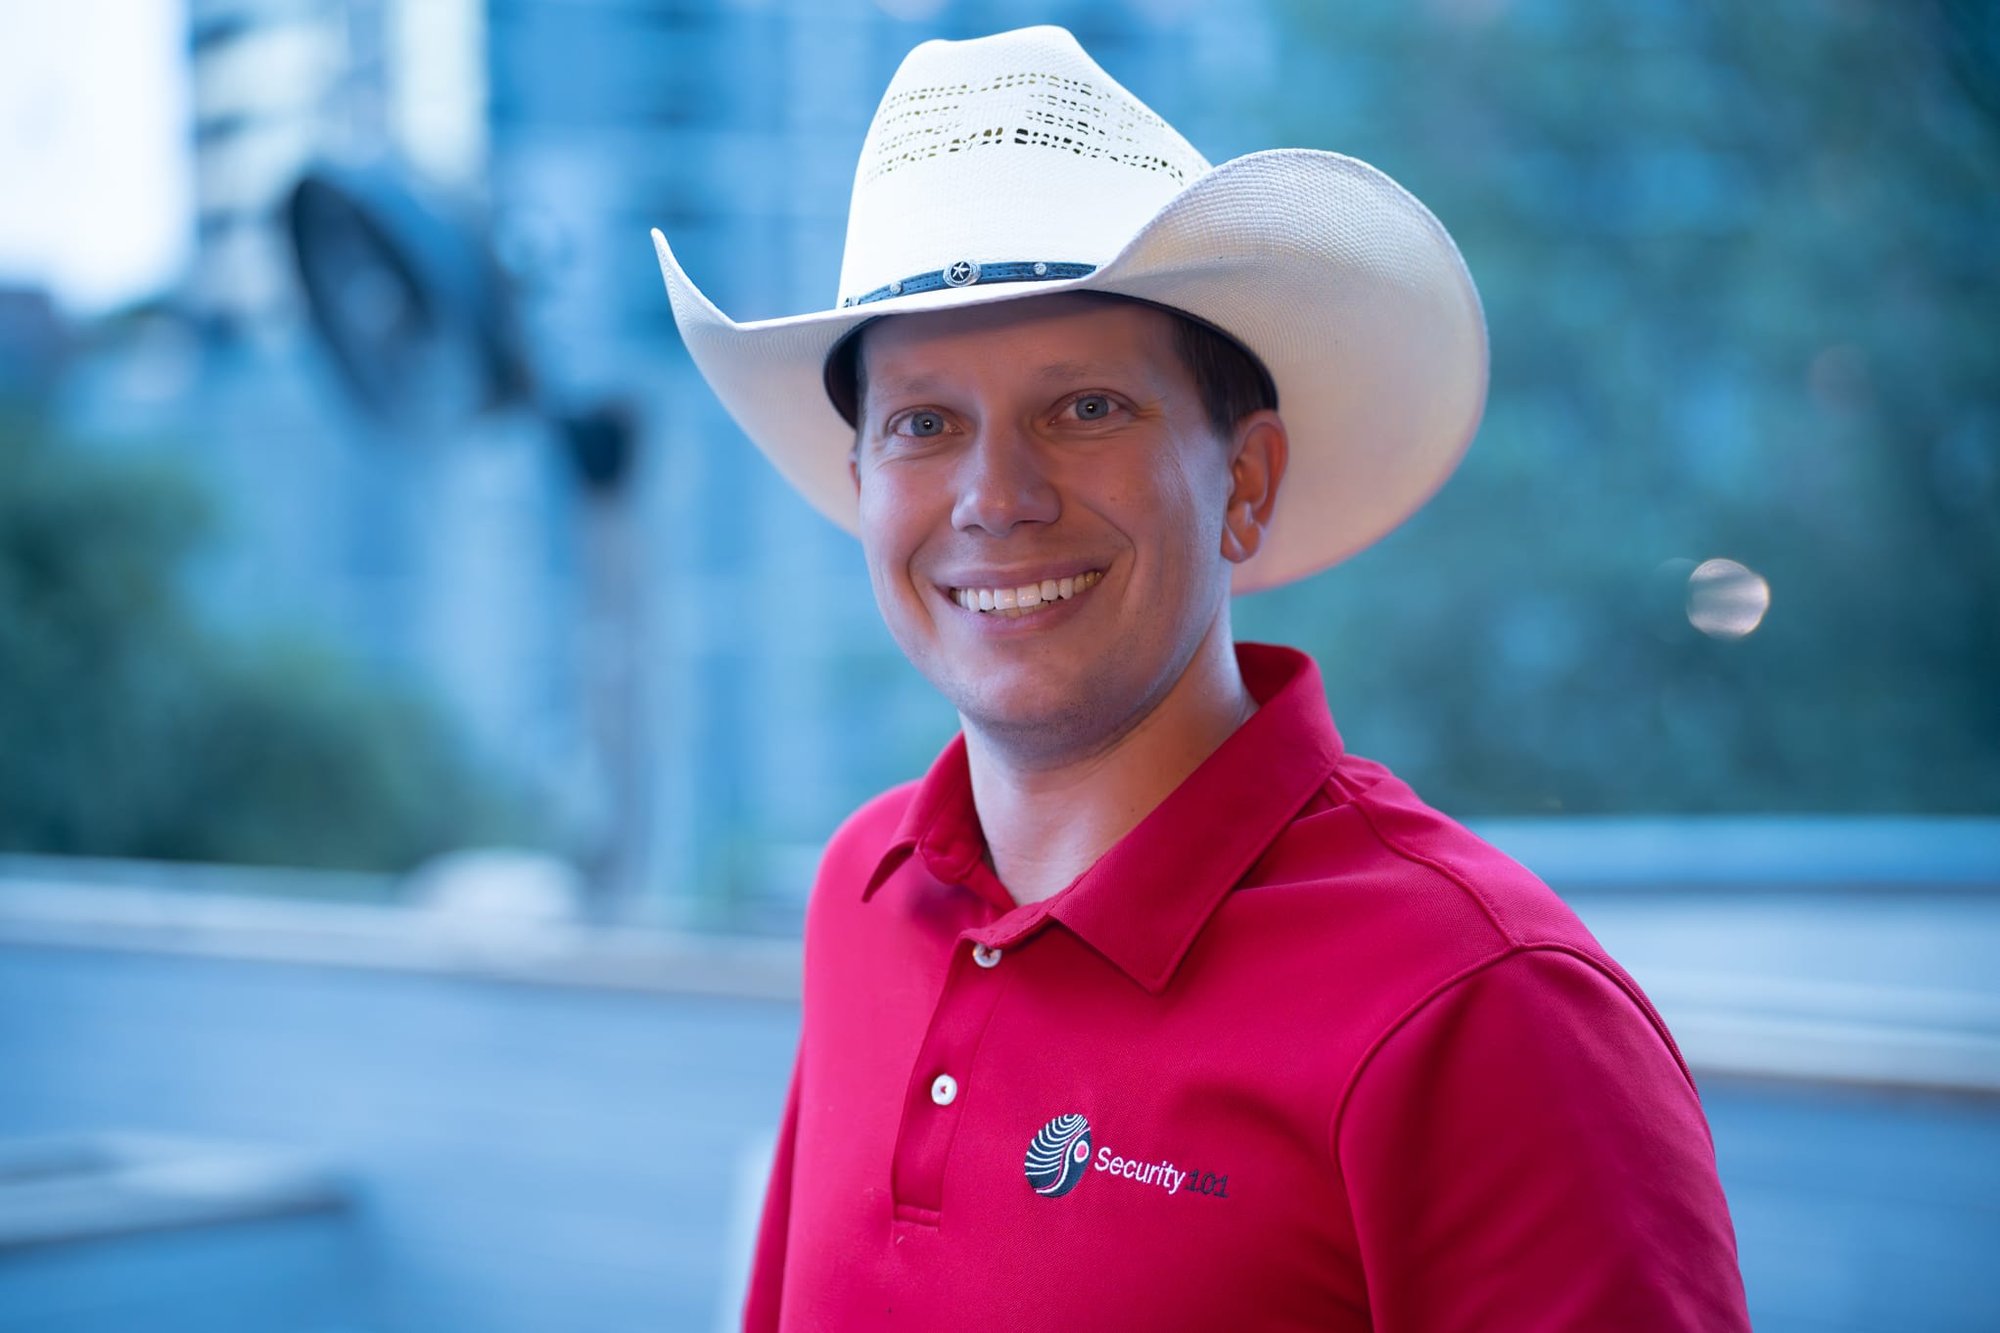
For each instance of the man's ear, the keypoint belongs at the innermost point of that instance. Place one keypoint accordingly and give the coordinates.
(1259, 451)
(854, 472)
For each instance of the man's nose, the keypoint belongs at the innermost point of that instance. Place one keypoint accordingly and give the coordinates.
(1002, 481)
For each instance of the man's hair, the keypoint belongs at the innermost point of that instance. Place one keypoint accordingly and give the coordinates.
(1232, 382)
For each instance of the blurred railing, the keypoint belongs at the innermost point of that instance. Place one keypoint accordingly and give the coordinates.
(1853, 950)
(342, 920)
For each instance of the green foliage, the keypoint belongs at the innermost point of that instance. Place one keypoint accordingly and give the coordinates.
(1739, 270)
(127, 728)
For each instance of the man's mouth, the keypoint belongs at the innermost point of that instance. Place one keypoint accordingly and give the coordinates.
(1016, 602)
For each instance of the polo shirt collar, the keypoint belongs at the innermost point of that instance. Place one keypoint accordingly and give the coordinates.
(1144, 901)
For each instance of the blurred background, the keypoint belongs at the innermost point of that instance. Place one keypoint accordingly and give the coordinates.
(420, 711)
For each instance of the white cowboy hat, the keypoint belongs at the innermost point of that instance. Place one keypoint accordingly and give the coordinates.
(1014, 166)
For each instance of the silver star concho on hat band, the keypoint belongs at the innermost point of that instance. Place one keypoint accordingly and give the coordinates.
(969, 273)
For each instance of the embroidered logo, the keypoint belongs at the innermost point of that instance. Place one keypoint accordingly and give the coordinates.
(1058, 1155)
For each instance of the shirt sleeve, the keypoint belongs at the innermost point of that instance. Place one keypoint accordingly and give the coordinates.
(1524, 1151)
(767, 1266)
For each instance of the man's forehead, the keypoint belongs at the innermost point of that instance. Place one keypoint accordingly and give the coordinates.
(1073, 335)
(910, 371)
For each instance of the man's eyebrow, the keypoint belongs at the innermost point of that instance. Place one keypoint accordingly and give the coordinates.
(917, 383)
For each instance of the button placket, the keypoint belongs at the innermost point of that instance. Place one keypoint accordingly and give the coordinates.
(939, 1083)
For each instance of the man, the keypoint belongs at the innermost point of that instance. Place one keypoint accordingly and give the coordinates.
(1150, 1007)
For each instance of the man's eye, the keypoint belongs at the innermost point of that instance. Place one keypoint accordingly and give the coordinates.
(1092, 407)
(922, 424)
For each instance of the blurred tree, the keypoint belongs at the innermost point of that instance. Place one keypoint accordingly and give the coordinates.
(1739, 269)
(128, 728)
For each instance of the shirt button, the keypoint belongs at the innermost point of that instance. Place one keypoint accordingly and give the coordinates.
(943, 1089)
(984, 956)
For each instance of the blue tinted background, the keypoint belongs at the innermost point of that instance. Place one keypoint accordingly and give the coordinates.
(1737, 271)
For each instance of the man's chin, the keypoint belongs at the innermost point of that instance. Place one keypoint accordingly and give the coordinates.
(1033, 716)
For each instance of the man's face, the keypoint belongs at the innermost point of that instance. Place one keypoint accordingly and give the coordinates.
(1049, 459)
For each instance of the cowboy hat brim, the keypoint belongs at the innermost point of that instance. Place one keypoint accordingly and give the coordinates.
(1345, 286)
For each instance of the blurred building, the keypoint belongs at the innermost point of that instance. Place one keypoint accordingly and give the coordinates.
(278, 84)
(441, 559)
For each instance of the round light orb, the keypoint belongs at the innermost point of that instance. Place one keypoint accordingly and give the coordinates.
(1726, 600)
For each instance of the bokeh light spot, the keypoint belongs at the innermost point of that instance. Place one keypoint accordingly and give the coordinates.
(1726, 600)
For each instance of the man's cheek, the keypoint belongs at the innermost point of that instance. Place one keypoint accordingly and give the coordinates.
(882, 520)
(878, 581)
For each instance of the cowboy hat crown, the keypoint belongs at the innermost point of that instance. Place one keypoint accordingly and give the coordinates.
(1013, 165)
(1038, 157)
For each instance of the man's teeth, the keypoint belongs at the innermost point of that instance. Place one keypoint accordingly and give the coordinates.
(1014, 601)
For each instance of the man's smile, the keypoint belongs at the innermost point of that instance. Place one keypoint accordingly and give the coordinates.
(1026, 598)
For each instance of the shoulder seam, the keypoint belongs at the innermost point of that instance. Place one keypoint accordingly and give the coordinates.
(1424, 1001)
(1439, 868)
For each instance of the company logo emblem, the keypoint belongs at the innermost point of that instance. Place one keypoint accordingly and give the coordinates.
(1058, 1155)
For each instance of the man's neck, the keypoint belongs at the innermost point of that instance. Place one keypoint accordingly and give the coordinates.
(1047, 823)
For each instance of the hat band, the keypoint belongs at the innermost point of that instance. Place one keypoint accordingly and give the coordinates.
(966, 273)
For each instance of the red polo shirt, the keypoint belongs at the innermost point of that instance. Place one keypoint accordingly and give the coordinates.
(1298, 1052)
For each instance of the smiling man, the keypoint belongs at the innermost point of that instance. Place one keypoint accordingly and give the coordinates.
(1150, 1006)
(1049, 513)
